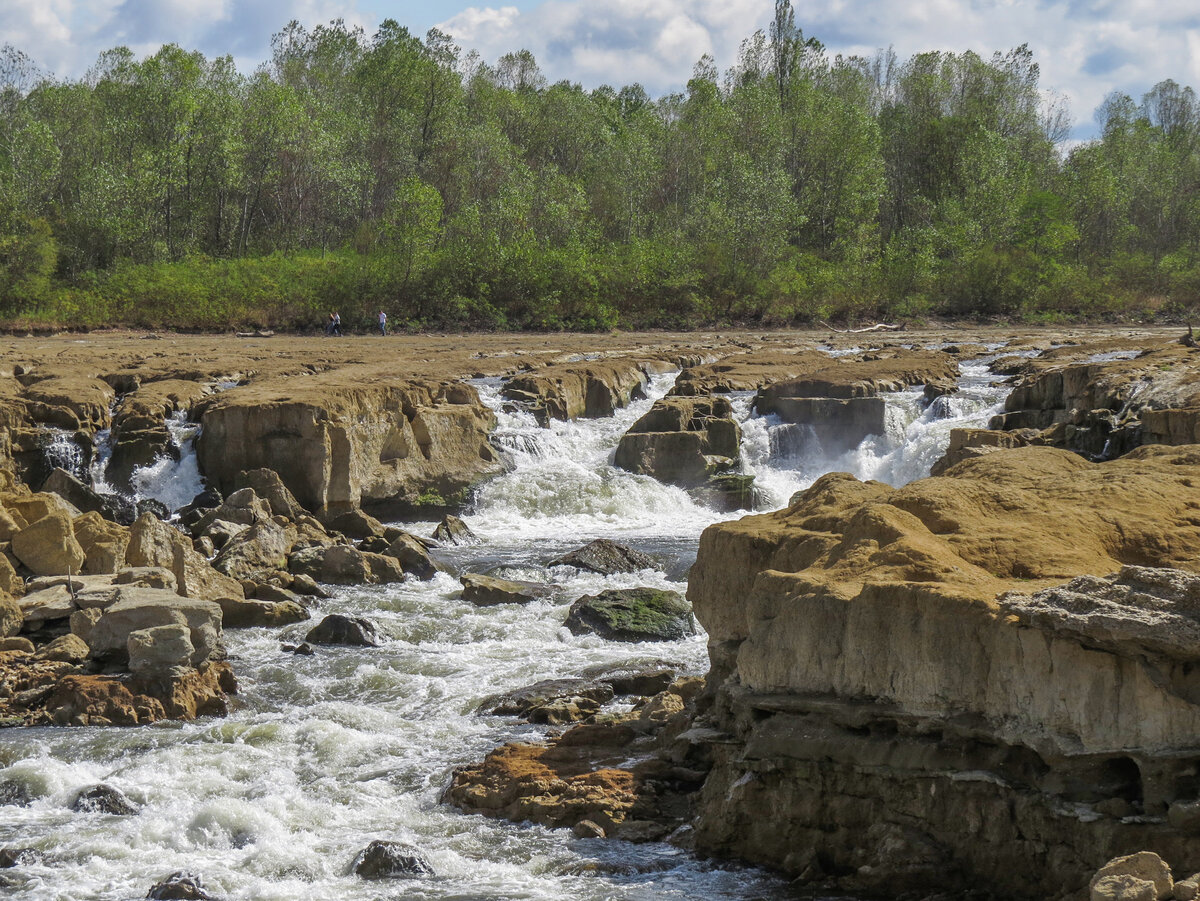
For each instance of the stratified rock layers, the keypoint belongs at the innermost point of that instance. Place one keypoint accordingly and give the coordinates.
(341, 443)
(889, 723)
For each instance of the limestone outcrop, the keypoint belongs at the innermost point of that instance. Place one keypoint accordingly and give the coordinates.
(895, 669)
(589, 390)
(682, 441)
(1104, 402)
(339, 443)
(843, 399)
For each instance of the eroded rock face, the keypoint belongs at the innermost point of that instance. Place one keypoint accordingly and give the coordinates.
(338, 444)
(682, 441)
(582, 390)
(844, 401)
(863, 666)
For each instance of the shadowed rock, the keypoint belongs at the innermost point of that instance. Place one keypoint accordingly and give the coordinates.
(390, 860)
(606, 558)
(348, 630)
(633, 614)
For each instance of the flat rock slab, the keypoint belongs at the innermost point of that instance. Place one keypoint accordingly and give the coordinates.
(485, 591)
(606, 558)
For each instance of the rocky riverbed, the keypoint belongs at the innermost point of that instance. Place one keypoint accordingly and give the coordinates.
(227, 546)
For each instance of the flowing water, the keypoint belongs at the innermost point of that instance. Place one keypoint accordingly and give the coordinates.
(323, 754)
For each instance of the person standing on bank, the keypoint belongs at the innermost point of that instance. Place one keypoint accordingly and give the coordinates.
(383, 323)
(337, 323)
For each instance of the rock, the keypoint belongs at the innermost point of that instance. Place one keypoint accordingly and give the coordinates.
(484, 591)
(267, 485)
(357, 525)
(242, 507)
(245, 614)
(48, 546)
(1188, 889)
(726, 493)
(220, 533)
(263, 547)
(849, 628)
(452, 530)
(82, 622)
(343, 565)
(147, 577)
(632, 614)
(160, 651)
(265, 591)
(1123, 888)
(552, 701)
(307, 586)
(606, 558)
(966, 444)
(1185, 816)
(205, 547)
(154, 543)
(591, 389)
(21, 645)
(75, 492)
(304, 649)
(348, 630)
(587, 829)
(32, 507)
(69, 648)
(342, 441)
(682, 441)
(10, 584)
(15, 794)
(146, 608)
(390, 860)
(104, 799)
(154, 507)
(411, 553)
(12, 617)
(103, 543)
(634, 680)
(47, 605)
(77, 700)
(1144, 865)
(18, 857)
(179, 886)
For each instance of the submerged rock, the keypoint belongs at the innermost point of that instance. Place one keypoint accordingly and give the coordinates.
(484, 591)
(606, 558)
(18, 857)
(551, 701)
(104, 799)
(452, 530)
(179, 886)
(633, 614)
(337, 628)
(390, 860)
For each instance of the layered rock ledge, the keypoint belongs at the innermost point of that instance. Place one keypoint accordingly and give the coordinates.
(897, 678)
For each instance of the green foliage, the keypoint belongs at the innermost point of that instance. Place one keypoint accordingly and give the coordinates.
(357, 172)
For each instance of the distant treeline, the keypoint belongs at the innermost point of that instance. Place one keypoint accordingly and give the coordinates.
(357, 173)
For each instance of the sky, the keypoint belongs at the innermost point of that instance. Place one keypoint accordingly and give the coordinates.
(1084, 49)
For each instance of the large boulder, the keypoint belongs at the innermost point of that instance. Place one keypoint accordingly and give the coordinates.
(633, 614)
(104, 799)
(568, 391)
(606, 558)
(345, 440)
(237, 614)
(261, 548)
(103, 543)
(336, 628)
(137, 609)
(484, 591)
(682, 441)
(154, 543)
(267, 485)
(551, 701)
(48, 546)
(413, 556)
(1120, 878)
(161, 651)
(341, 564)
(390, 860)
(452, 530)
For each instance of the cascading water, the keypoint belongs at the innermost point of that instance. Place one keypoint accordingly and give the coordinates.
(323, 754)
(62, 451)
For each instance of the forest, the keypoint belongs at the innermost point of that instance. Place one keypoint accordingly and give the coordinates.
(359, 173)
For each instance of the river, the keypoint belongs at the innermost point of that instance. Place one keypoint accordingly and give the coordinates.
(321, 755)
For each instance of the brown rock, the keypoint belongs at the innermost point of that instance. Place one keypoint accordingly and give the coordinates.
(262, 548)
(154, 543)
(103, 543)
(48, 546)
(411, 552)
(67, 648)
(484, 591)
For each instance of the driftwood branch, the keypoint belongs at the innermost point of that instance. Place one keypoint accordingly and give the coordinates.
(877, 327)
(1188, 340)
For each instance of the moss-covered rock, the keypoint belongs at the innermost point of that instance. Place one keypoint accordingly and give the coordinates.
(633, 614)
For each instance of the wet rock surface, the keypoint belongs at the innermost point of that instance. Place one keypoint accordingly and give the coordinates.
(390, 860)
(605, 557)
(632, 614)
